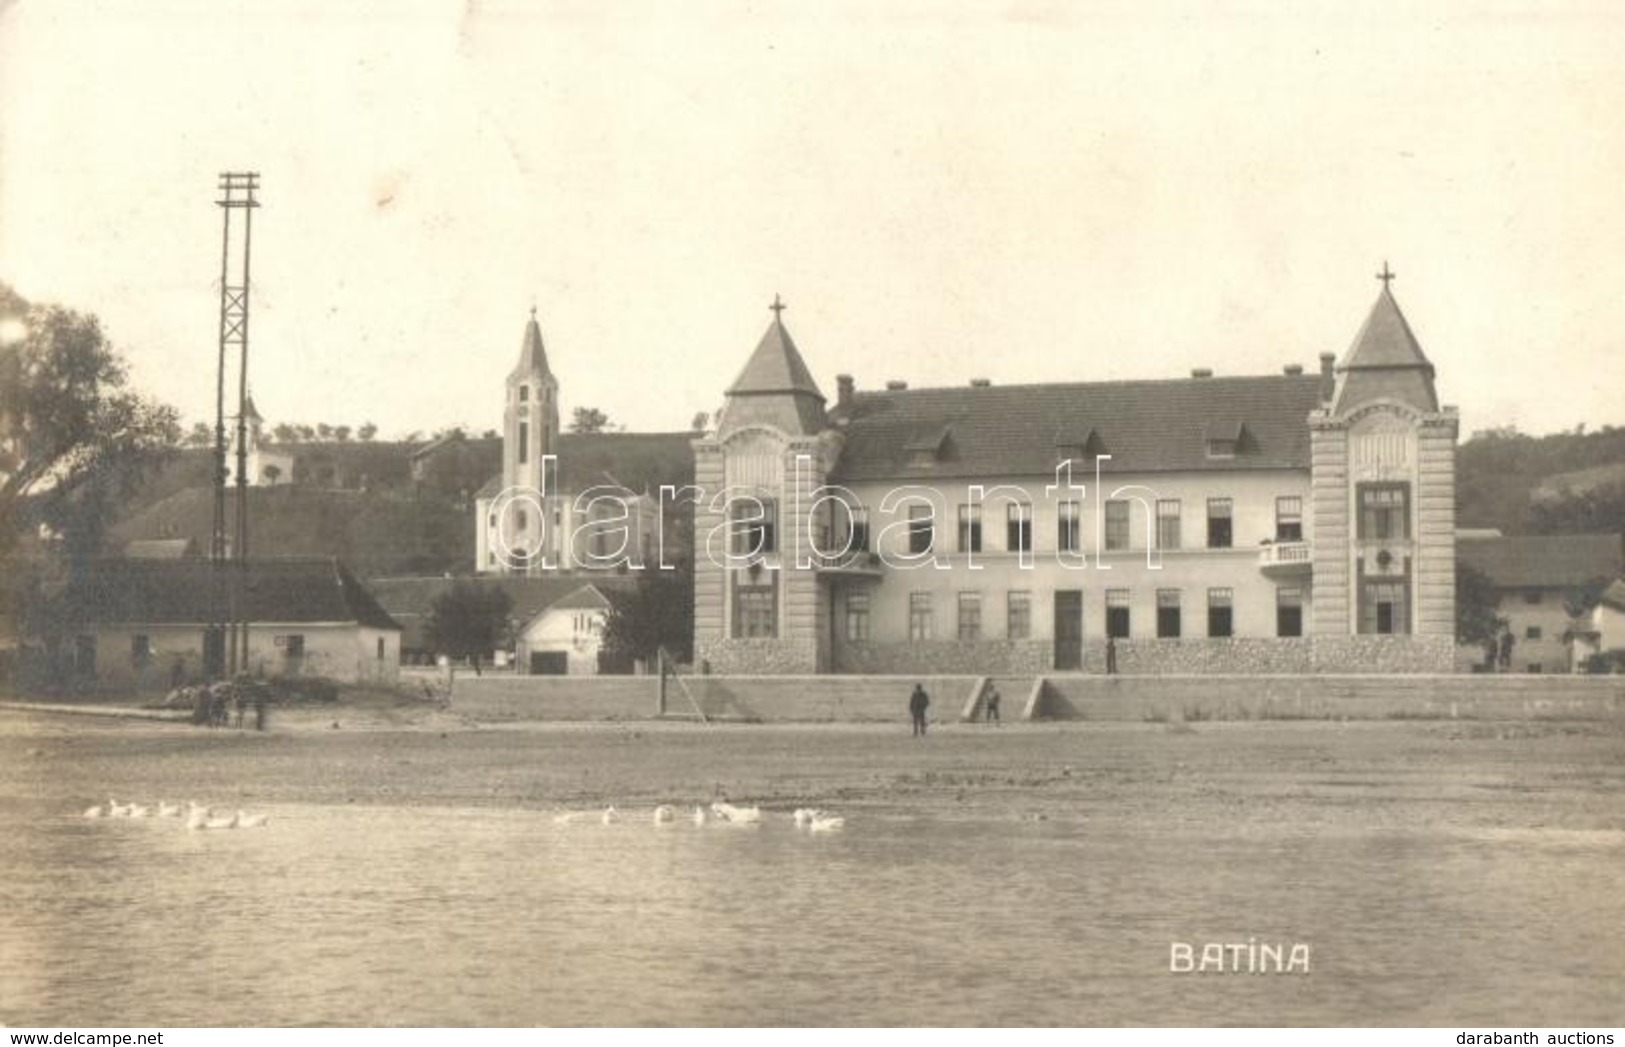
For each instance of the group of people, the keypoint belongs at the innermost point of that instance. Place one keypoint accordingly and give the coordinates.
(213, 705)
(919, 701)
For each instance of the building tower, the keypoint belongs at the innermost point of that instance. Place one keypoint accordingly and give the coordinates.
(515, 530)
(1383, 503)
(755, 610)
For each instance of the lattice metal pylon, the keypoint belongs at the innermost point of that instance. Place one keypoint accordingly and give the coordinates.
(238, 197)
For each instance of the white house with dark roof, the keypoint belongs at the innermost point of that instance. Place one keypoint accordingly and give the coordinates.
(1289, 522)
(564, 638)
(1536, 577)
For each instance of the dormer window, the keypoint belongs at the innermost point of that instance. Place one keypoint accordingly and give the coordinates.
(524, 393)
(1079, 443)
(928, 448)
(1224, 439)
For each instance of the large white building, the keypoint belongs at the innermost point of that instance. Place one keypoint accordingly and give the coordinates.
(1287, 522)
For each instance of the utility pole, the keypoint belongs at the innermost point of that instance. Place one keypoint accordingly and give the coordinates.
(238, 190)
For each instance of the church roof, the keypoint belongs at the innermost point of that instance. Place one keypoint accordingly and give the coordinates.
(775, 367)
(637, 461)
(532, 354)
(1024, 430)
(1385, 341)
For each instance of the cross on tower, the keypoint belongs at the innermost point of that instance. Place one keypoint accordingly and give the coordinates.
(1386, 275)
(777, 307)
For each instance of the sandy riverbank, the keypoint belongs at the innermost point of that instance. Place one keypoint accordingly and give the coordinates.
(1550, 775)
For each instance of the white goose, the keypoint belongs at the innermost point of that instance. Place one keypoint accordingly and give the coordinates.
(140, 811)
(826, 823)
(97, 811)
(664, 813)
(116, 809)
(699, 816)
(168, 810)
(610, 816)
(251, 821)
(736, 815)
(804, 816)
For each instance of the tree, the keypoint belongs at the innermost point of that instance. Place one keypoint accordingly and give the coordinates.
(272, 474)
(588, 420)
(701, 420)
(341, 433)
(1582, 601)
(659, 612)
(467, 621)
(324, 431)
(200, 435)
(283, 433)
(73, 439)
(1477, 600)
(367, 431)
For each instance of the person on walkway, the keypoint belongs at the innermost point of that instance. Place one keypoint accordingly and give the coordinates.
(1111, 656)
(1506, 650)
(992, 714)
(918, 703)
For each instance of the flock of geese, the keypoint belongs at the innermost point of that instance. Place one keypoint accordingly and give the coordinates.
(721, 813)
(198, 817)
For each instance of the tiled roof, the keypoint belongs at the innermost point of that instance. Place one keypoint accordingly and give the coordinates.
(1545, 561)
(1385, 340)
(775, 366)
(161, 549)
(182, 592)
(408, 600)
(1019, 430)
(637, 461)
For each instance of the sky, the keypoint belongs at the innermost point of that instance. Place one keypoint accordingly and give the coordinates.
(1022, 191)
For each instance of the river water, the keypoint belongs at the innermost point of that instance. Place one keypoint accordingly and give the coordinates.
(354, 915)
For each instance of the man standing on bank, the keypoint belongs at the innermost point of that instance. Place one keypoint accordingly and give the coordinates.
(918, 703)
(992, 713)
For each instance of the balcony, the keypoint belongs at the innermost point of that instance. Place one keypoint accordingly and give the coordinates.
(854, 563)
(1281, 558)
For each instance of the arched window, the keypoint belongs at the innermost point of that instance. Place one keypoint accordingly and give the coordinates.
(524, 393)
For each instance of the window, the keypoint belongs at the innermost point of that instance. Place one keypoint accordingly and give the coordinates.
(755, 611)
(919, 529)
(1117, 525)
(860, 530)
(1019, 616)
(1533, 667)
(380, 648)
(857, 617)
(1221, 448)
(1289, 611)
(1532, 633)
(1219, 533)
(1219, 615)
(293, 648)
(1018, 528)
(524, 393)
(141, 650)
(1066, 528)
(970, 617)
(1383, 512)
(1117, 620)
(1167, 613)
(1383, 609)
(524, 442)
(1168, 523)
(755, 526)
(1531, 596)
(919, 616)
(970, 528)
(1289, 519)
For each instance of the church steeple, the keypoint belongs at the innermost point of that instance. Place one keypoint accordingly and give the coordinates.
(531, 417)
(532, 353)
(1385, 360)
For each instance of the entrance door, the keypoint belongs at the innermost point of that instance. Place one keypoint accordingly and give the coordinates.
(549, 663)
(214, 652)
(1068, 629)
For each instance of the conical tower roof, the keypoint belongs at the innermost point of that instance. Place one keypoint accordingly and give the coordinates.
(532, 354)
(1385, 341)
(1385, 362)
(775, 366)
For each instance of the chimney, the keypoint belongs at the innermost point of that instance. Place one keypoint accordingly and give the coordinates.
(1292, 369)
(1201, 372)
(845, 388)
(980, 383)
(1327, 381)
(896, 385)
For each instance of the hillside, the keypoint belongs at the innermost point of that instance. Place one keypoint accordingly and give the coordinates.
(373, 532)
(1499, 473)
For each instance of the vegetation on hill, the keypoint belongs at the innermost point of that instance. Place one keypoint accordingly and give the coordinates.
(1498, 470)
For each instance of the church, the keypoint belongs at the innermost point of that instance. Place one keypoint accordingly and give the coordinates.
(1302, 521)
